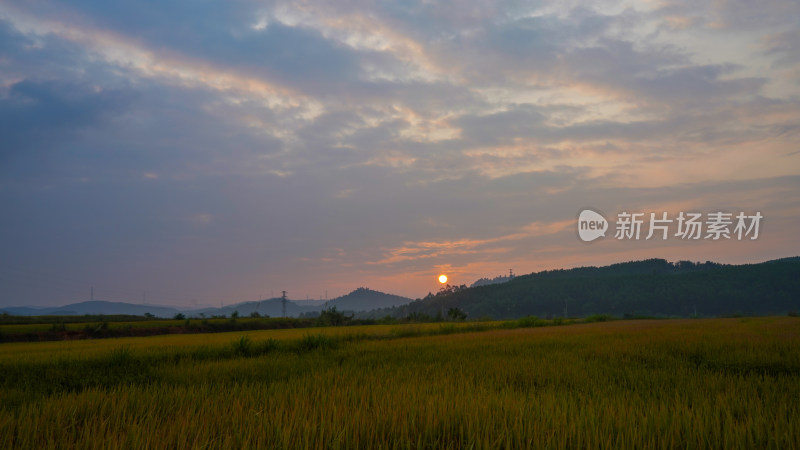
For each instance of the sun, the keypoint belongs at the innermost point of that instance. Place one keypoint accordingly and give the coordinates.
(443, 279)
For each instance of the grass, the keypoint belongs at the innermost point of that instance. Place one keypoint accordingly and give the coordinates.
(48, 328)
(708, 383)
(86, 348)
(77, 326)
(36, 328)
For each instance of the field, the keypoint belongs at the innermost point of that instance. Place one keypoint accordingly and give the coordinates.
(41, 328)
(707, 383)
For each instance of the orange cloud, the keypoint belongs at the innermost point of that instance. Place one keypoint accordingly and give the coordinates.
(411, 251)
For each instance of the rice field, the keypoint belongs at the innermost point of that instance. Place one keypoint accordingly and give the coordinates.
(76, 326)
(708, 383)
(112, 324)
(168, 344)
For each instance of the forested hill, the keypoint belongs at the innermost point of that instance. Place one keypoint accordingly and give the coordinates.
(643, 288)
(363, 299)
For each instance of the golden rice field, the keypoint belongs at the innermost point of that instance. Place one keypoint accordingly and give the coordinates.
(710, 383)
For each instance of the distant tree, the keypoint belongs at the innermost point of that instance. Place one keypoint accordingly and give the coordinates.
(149, 315)
(179, 316)
(417, 316)
(387, 319)
(255, 315)
(235, 315)
(332, 317)
(448, 289)
(456, 314)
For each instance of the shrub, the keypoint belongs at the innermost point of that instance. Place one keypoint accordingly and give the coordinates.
(456, 314)
(317, 341)
(121, 356)
(447, 328)
(332, 317)
(598, 318)
(243, 346)
(529, 321)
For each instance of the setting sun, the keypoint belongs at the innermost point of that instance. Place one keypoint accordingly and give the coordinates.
(443, 279)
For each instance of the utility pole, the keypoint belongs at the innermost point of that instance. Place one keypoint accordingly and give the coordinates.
(283, 302)
(91, 296)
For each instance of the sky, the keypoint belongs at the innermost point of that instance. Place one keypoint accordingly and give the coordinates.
(196, 153)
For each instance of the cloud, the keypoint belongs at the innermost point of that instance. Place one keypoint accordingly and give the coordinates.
(482, 248)
(35, 113)
(212, 149)
(738, 14)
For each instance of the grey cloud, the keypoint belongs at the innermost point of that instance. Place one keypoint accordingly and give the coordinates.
(785, 45)
(36, 113)
(649, 77)
(738, 14)
(293, 55)
(521, 121)
(45, 56)
(697, 83)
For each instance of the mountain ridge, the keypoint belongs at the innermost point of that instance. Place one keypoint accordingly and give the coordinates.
(646, 287)
(360, 299)
(653, 287)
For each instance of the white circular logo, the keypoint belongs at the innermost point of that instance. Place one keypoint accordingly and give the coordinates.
(591, 225)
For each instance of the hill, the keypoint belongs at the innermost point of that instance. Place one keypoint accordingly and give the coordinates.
(495, 280)
(272, 307)
(363, 299)
(93, 307)
(652, 287)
